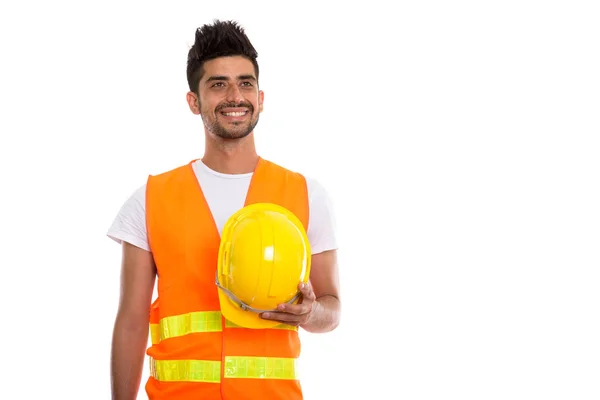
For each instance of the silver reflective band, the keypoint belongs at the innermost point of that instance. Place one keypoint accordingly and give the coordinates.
(243, 305)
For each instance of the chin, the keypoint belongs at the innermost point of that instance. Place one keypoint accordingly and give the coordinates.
(232, 135)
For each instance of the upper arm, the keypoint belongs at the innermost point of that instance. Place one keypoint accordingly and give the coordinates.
(324, 275)
(138, 273)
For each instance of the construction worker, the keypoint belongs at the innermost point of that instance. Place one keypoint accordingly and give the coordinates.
(170, 230)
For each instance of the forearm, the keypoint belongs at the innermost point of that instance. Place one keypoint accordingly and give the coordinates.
(325, 315)
(127, 359)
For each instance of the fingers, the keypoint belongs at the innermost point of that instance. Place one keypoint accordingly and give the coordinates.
(304, 306)
(296, 309)
(294, 314)
(290, 319)
(307, 292)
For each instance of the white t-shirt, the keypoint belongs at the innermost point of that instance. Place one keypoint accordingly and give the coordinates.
(225, 195)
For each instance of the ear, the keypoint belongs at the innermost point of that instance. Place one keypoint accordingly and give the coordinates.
(193, 102)
(261, 99)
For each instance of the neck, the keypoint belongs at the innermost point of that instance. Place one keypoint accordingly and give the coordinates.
(230, 156)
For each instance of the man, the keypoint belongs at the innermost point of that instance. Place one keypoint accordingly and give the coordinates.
(170, 229)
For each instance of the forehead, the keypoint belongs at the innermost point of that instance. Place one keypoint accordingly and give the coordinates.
(230, 67)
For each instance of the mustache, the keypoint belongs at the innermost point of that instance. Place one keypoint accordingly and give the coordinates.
(235, 105)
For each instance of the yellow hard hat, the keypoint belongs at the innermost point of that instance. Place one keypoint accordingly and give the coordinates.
(263, 256)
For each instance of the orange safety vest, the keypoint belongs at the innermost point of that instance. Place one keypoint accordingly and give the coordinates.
(196, 353)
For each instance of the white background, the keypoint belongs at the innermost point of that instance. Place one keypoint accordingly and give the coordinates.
(458, 141)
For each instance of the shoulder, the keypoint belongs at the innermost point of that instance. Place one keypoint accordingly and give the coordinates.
(317, 193)
(287, 170)
(168, 180)
(316, 190)
(129, 224)
(319, 200)
(135, 205)
(170, 174)
(139, 194)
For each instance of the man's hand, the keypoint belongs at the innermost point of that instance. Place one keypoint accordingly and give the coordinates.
(294, 314)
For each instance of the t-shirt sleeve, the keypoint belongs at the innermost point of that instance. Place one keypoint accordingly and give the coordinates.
(130, 223)
(321, 222)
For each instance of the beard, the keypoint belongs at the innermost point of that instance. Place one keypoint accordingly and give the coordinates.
(236, 130)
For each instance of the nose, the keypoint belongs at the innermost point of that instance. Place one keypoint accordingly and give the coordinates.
(234, 94)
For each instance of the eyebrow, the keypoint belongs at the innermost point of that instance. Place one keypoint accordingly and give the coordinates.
(225, 78)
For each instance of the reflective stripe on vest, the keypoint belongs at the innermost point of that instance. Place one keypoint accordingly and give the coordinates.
(194, 322)
(235, 367)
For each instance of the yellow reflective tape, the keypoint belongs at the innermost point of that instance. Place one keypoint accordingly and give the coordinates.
(235, 367)
(261, 368)
(186, 370)
(230, 324)
(194, 322)
(155, 333)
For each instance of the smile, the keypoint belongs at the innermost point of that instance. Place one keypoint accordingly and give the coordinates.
(235, 113)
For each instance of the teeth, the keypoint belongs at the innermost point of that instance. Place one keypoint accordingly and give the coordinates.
(235, 114)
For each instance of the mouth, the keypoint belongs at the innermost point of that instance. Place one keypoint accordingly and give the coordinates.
(234, 113)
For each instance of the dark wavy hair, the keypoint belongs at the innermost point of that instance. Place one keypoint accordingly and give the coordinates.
(219, 39)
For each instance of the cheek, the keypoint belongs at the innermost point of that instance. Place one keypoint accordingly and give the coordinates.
(206, 104)
(206, 108)
(257, 104)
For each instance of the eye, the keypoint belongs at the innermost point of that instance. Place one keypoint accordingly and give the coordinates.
(247, 84)
(218, 84)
